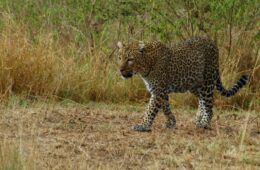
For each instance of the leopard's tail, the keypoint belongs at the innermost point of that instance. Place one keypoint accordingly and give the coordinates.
(239, 84)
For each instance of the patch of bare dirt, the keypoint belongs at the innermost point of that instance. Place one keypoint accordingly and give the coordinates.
(80, 138)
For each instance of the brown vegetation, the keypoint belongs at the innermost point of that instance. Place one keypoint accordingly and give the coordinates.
(100, 137)
(56, 69)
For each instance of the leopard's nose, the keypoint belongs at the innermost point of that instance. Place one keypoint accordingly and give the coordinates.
(121, 70)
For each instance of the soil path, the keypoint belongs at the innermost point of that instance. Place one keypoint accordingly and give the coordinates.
(91, 138)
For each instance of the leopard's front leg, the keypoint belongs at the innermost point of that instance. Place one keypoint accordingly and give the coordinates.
(155, 104)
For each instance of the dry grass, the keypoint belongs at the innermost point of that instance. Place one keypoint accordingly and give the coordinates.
(54, 69)
(49, 67)
(9, 157)
(99, 136)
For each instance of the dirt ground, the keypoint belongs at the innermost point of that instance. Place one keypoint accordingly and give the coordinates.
(81, 137)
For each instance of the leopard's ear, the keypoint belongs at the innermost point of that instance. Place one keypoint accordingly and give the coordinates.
(141, 46)
(120, 45)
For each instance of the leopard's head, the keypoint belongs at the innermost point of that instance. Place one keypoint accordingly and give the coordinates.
(131, 59)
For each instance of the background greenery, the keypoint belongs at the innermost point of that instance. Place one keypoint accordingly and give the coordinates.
(65, 49)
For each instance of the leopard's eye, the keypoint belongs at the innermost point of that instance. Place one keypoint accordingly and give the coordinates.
(130, 61)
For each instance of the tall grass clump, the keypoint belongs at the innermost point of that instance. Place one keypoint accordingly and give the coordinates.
(54, 69)
(66, 49)
(25, 67)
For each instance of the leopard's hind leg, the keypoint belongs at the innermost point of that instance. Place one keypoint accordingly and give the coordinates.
(205, 112)
(170, 118)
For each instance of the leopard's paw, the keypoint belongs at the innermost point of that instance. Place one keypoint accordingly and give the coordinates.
(170, 124)
(141, 128)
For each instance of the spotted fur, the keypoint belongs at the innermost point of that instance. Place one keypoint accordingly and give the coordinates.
(188, 66)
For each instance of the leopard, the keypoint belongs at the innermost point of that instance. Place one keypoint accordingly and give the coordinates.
(187, 66)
